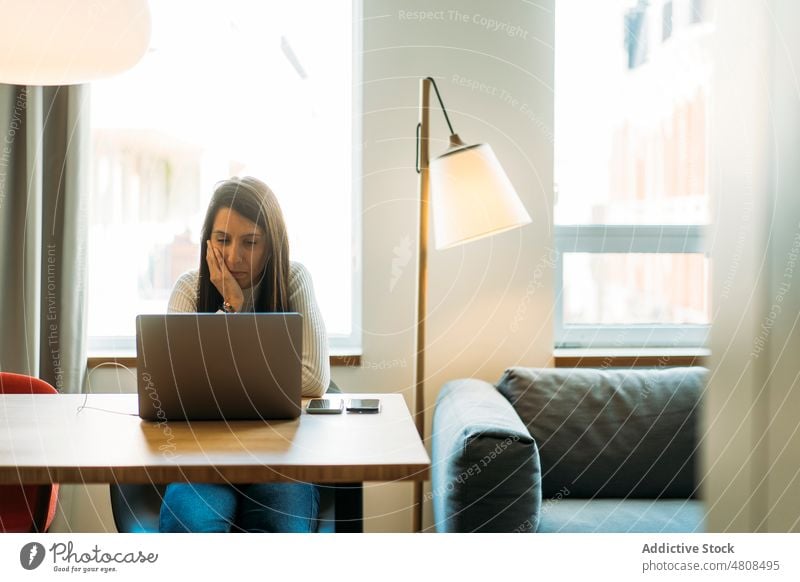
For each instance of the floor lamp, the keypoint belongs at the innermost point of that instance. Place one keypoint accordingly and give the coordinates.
(472, 198)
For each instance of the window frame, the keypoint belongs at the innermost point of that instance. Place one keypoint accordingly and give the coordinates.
(635, 238)
(99, 347)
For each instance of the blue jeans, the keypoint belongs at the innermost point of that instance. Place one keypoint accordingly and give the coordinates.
(258, 507)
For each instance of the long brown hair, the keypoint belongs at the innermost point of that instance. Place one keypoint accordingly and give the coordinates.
(254, 200)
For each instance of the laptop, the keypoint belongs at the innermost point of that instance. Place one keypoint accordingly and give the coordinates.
(209, 366)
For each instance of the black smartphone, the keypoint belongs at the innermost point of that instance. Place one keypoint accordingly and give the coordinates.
(363, 405)
(325, 406)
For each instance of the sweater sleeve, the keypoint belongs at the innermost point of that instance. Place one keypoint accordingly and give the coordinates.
(184, 294)
(316, 361)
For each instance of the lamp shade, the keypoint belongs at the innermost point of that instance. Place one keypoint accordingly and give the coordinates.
(58, 42)
(471, 196)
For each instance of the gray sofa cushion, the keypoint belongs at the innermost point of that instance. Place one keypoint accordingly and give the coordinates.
(621, 516)
(611, 433)
(485, 470)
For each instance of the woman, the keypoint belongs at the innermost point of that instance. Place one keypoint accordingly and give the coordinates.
(245, 267)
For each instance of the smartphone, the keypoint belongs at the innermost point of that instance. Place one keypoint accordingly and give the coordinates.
(325, 406)
(363, 405)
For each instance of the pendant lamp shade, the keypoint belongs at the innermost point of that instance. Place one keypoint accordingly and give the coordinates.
(66, 42)
(471, 195)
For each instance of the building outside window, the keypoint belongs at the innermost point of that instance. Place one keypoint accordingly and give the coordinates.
(632, 95)
(226, 89)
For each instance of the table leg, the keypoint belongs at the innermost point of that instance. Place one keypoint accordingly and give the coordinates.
(349, 507)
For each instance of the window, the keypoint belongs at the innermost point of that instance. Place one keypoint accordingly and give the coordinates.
(234, 88)
(632, 82)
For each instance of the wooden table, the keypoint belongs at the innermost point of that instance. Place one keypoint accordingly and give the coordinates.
(46, 439)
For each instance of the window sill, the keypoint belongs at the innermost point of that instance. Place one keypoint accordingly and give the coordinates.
(629, 357)
(345, 358)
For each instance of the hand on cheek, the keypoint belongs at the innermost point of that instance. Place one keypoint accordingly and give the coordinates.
(221, 277)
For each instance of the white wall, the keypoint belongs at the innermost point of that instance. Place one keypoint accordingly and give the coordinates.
(752, 446)
(486, 309)
(490, 302)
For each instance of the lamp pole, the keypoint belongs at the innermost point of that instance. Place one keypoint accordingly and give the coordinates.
(422, 278)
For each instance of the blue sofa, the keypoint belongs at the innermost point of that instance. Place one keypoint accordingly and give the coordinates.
(569, 450)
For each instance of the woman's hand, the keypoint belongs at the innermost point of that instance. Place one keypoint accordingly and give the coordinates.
(222, 279)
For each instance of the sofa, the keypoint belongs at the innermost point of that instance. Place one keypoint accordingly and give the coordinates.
(569, 450)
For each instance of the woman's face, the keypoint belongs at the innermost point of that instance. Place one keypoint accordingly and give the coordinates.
(243, 245)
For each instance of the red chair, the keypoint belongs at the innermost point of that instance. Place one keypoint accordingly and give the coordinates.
(28, 508)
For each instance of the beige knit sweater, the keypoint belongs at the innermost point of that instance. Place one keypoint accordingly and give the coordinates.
(316, 362)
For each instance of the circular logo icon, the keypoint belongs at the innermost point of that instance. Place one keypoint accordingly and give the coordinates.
(31, 555)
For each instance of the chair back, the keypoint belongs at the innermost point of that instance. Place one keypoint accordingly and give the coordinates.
(29, 508)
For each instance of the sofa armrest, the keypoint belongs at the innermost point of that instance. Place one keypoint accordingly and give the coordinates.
(486, 474)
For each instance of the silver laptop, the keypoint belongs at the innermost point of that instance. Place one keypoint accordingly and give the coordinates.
(210, 366)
